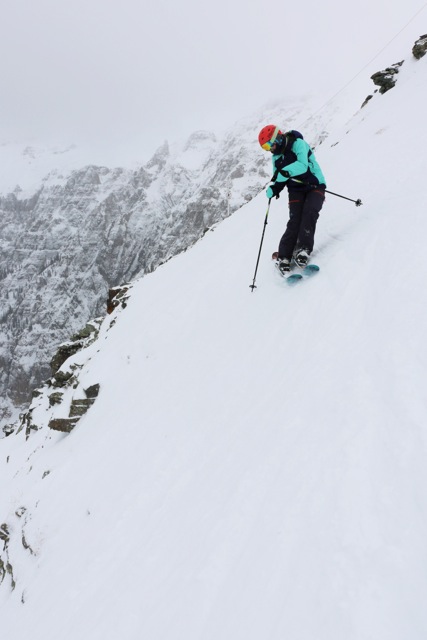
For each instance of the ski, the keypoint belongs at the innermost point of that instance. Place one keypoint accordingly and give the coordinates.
(310, 270)
(293, 277)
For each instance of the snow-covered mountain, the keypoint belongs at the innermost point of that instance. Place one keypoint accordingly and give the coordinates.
(26, 164)
(242, 465)
(64, 244)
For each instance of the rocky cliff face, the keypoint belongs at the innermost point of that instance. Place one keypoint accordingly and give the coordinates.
(83, 232)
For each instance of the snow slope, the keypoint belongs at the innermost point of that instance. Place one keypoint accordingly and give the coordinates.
(255, 464)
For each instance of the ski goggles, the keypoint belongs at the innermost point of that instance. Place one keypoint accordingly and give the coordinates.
(267, 146)
(271, 144)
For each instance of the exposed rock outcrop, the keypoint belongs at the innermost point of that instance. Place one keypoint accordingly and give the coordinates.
(66, 425)
(57, 393)
(116, 296)
(387, 78)
(6, 568)
(420, 47)
(79, 341)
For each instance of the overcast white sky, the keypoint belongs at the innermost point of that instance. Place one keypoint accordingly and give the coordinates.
(127, 74)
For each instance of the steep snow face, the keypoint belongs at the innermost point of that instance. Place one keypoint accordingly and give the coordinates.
(255, 463)
(84, 231)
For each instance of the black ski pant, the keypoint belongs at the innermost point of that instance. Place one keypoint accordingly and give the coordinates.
(304, 208)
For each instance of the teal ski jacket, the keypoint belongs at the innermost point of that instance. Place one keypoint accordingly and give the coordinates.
(297, 160)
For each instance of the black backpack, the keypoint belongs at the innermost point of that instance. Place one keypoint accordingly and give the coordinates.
(293, 135)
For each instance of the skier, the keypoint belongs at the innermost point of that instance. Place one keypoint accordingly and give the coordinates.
(294, 166)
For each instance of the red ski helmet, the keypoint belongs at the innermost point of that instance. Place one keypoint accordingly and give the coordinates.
(268, 135)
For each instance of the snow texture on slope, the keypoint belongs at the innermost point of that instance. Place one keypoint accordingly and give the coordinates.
(255, 464)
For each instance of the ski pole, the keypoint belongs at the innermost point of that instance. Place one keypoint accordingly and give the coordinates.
(253, 285)
(357, 202)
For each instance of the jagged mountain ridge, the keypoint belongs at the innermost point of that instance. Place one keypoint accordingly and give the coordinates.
(83, 232)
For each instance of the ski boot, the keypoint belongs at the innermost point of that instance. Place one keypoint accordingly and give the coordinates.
(301, 258)
(284, 265)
